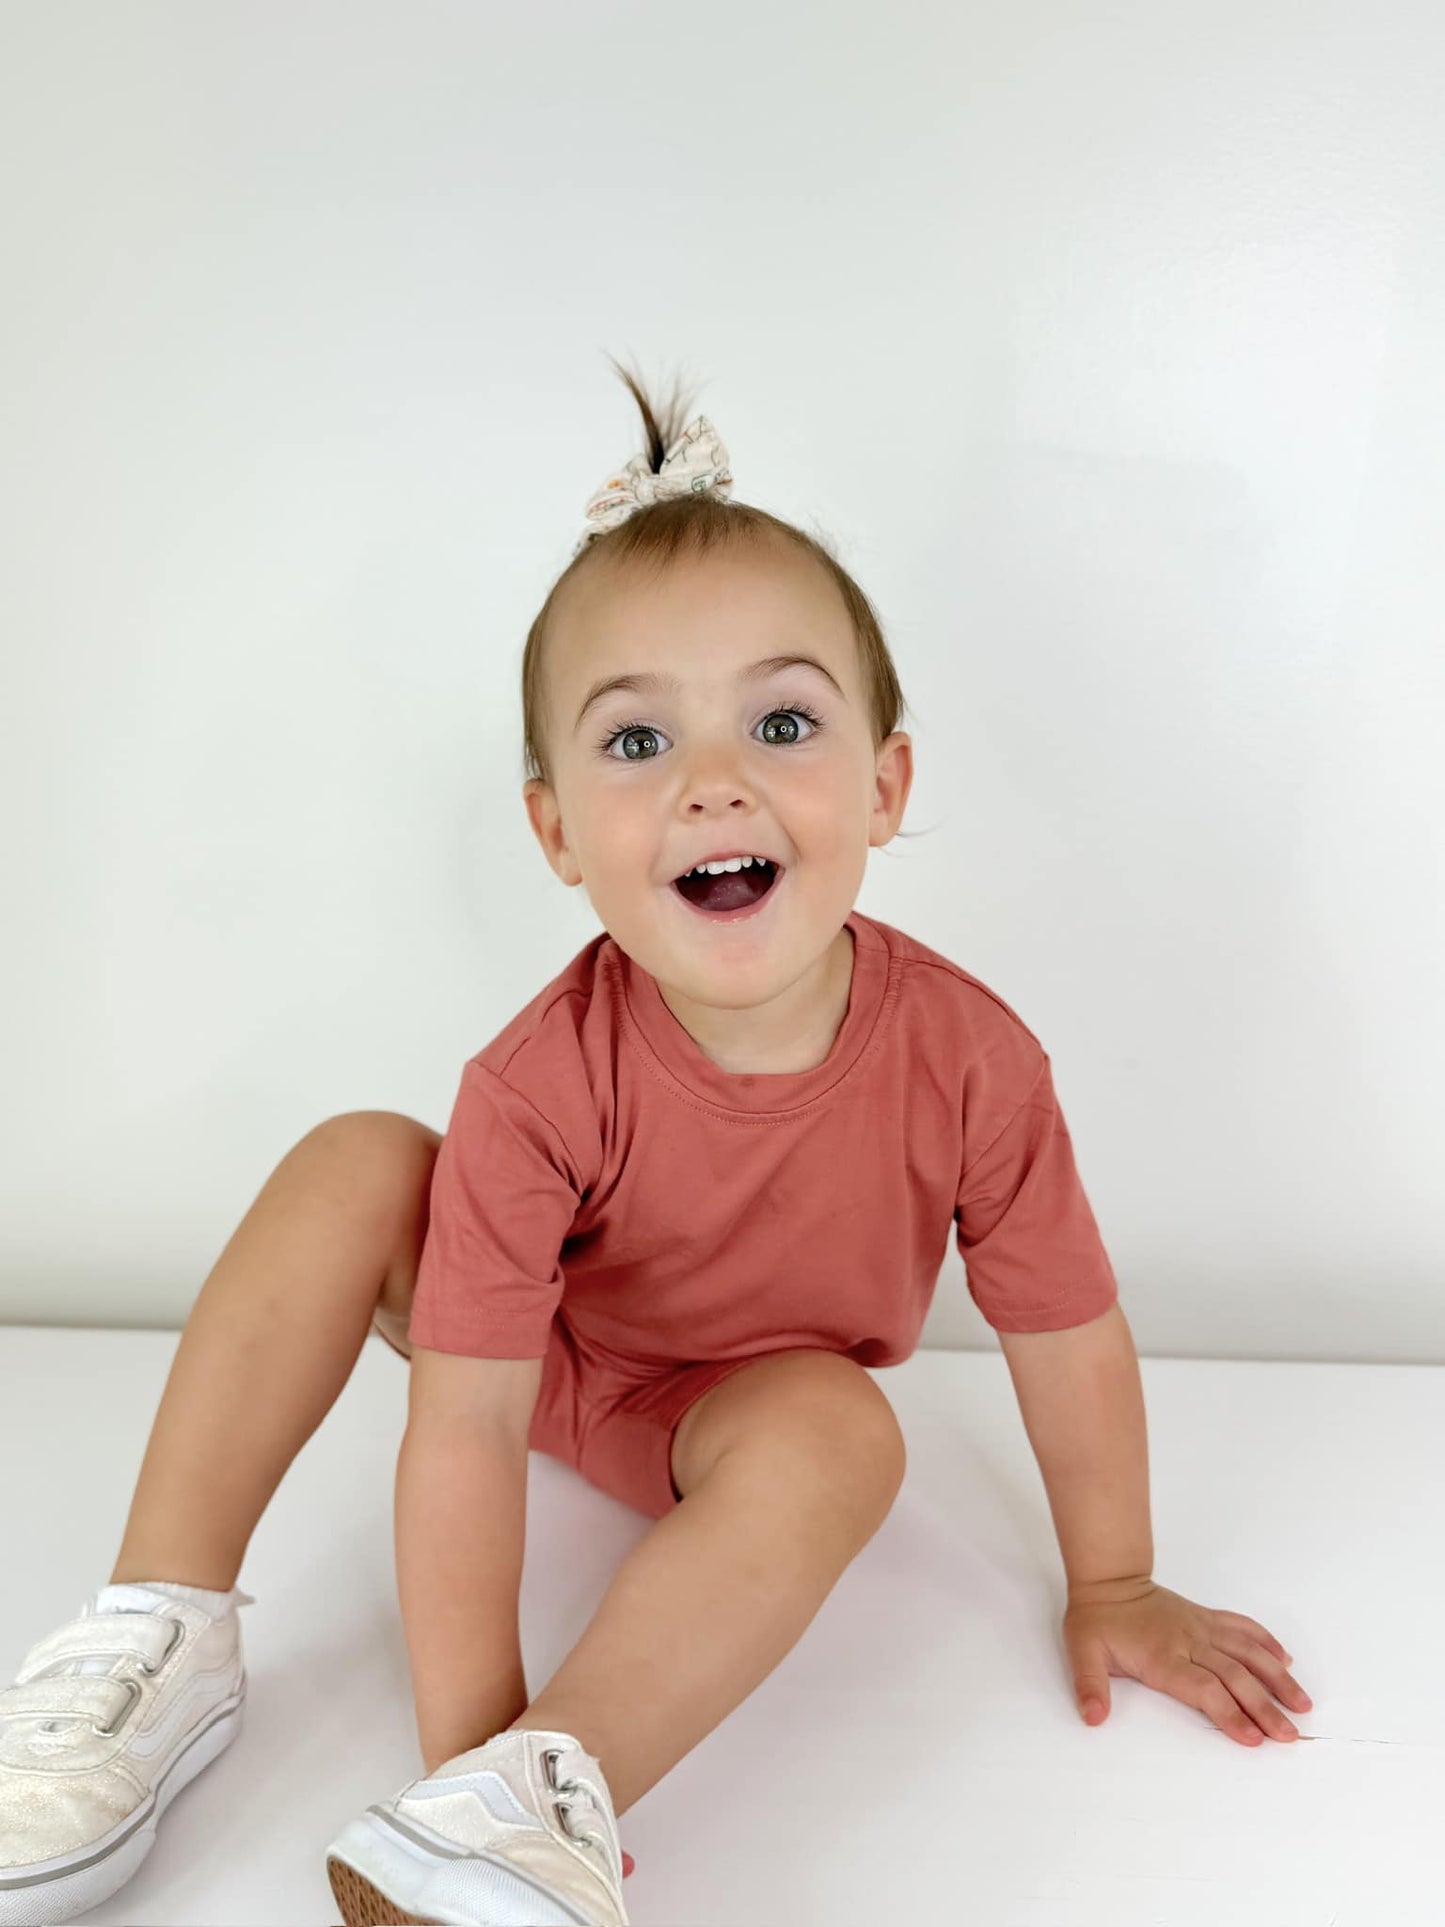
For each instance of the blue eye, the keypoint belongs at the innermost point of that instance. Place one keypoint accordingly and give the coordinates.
(814, 721)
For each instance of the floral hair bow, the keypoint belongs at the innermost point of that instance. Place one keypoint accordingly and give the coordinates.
(697, 461)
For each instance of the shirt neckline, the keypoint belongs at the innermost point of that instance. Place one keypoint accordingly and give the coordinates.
(670, 1049)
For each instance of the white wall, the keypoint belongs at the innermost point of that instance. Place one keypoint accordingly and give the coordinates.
(1106, 343)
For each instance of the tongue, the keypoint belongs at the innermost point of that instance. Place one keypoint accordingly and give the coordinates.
(730, 891)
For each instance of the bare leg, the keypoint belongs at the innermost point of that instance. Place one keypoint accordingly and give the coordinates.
(271, 1340)
(718, 1592)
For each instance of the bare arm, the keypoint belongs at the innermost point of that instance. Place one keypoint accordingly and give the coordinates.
(461, 1491)
(1083, 1409)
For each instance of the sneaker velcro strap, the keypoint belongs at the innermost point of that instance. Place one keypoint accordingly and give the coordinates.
(142, 1636)
(74, 1693)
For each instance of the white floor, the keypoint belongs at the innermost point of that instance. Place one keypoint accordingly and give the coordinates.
(918, 1754)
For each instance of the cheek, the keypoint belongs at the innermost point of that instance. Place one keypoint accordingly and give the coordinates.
(825, 804)
(621, 829)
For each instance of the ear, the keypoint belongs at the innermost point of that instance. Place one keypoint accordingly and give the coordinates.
(545, 816)
(892, 783)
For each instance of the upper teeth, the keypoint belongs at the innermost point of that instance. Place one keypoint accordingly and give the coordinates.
(716, 869)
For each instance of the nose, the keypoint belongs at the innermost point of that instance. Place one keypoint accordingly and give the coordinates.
(714, 779)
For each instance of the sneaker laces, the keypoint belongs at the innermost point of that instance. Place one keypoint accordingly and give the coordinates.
(572, 1791)
(98, 1608)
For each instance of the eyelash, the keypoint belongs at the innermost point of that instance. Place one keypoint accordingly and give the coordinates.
(791, 709)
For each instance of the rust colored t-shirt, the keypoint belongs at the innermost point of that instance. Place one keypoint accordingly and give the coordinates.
(599, 1166)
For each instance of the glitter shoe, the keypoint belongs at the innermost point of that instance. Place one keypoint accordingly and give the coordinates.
(109, 1717)
(518, 1832)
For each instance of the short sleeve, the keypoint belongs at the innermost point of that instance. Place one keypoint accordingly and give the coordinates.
(1025, 1228)
(504, 1194)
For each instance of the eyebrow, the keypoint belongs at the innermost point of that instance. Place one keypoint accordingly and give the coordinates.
(659, 683)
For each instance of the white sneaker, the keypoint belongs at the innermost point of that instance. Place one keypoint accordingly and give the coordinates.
(109, 1717)
(517, 1832)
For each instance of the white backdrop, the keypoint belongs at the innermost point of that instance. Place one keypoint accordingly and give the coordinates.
(1106, 345)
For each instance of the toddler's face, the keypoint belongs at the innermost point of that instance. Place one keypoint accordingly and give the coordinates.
(651, 780)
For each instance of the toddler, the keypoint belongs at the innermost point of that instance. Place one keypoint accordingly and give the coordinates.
(689, 1200)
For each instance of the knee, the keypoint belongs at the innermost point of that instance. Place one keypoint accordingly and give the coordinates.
(387, 1135)
(384, 1157)
(858, 1424)
(834, 1426)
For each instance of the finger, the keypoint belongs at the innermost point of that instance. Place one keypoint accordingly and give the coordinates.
(1201, 1687)
(1251, 1695)
(1252, 1627)
(1282, 1684)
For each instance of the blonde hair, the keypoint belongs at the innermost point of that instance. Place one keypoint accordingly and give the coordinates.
(693, 524)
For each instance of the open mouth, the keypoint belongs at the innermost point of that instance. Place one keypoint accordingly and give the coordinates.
(733, 893)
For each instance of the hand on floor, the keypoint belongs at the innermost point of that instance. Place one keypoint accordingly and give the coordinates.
(1227, 1666)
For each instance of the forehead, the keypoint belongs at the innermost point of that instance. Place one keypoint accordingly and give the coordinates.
(701, 614)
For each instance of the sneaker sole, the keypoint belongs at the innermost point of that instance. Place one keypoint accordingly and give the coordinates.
(49, 1891)
(386, 1870)
(363, 1905)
